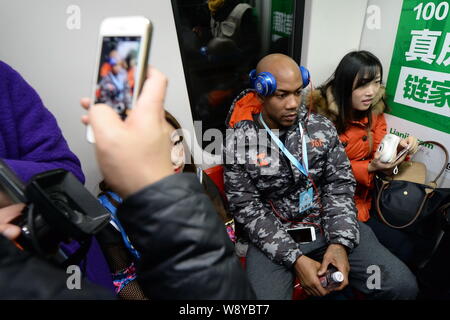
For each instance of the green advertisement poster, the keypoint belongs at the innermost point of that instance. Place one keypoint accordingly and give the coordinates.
(418, 85)
(282, 18)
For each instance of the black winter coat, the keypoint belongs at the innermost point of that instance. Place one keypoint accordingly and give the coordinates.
(186, 252)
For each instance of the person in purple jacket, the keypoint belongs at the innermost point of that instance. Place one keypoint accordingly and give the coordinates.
(31, 142)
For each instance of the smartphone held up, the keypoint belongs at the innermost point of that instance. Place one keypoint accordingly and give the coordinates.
(121, 64)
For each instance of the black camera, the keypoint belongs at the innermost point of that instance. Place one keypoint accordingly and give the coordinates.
(58, 209)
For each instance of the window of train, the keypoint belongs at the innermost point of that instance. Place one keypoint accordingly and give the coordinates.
(222, 40)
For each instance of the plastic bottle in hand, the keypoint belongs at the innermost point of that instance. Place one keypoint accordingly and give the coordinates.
(332, 278)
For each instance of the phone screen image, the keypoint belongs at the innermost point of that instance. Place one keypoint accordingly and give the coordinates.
(118, 72)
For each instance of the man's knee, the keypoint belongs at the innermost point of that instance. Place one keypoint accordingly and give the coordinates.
(387, 277)
(269, 280)
(402, 288)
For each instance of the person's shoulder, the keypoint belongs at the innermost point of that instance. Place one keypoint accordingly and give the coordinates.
(320, 118)
(321, 101)
(242, 130)
(243, 109)
(4, 66)
(7, 72)
(320, 121)
(15, 85)
(245, 125)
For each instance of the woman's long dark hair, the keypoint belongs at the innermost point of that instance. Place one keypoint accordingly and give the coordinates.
(361, 64)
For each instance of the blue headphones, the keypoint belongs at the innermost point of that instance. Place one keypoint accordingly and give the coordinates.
(265, 83)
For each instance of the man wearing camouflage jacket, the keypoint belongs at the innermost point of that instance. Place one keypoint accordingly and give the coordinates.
(268, 194)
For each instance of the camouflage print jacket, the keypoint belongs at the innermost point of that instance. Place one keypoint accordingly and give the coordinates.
(263, 187)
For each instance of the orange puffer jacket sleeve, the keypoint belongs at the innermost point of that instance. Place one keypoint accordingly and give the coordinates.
(357, 146)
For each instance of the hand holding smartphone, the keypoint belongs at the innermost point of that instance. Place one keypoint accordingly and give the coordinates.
(121, 63)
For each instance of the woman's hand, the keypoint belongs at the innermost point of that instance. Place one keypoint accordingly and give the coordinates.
(411, 143)
(376, 165)
(385, 167)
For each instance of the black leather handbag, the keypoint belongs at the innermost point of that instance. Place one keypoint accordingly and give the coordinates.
(405, 202)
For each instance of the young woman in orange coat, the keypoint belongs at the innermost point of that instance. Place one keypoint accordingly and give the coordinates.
(353, 98)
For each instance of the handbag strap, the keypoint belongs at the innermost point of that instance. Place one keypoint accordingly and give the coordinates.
(380, 214)
(446, 158)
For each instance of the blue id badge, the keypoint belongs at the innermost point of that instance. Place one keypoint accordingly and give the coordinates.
(306, 200)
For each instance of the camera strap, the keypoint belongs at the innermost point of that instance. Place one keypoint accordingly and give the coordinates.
(79, 255)
(105, 201)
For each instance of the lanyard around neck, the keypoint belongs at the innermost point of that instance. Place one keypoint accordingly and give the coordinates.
(303, 169)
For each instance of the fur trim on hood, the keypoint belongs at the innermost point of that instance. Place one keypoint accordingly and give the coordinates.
(327, 107)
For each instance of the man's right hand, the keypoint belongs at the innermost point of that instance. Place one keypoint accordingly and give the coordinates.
(134, 153)
(306, 270)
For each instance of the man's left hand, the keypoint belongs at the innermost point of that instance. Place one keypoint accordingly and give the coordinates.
(337, 256)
